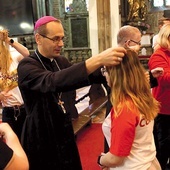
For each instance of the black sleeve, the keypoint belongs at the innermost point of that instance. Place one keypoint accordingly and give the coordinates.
(5, 154)
(32, 76)
(97, 78)
(153, 81)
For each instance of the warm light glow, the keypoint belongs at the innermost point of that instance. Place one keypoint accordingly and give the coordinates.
(158, 3)
(25, 25)
(167, 2)
(1, 27)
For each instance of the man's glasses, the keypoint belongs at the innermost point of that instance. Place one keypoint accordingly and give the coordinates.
(55, 40)
(138, 43)
(103, 71)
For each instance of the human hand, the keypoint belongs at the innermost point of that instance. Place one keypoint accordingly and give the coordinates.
(112, 56)
(102, 153)
(4, 97)
(105, 168)
(157, 72)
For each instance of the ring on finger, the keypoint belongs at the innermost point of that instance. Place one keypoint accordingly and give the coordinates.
(119, 59)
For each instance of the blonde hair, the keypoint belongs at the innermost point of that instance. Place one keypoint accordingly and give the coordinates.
(129, 83)
(5, 57)
(164, 36)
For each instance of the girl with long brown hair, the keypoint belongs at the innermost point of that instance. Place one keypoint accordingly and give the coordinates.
(129, 126)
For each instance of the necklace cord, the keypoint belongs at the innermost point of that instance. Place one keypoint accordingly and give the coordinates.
(59, 94)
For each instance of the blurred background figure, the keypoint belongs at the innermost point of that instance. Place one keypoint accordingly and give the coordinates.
(161, 58)
(13, 111)
(162, 21)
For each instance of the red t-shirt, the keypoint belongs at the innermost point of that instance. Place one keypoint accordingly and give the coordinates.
(131, 136)
(161, 58)
(123, 131)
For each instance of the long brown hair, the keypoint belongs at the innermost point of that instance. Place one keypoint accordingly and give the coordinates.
(5, 57)
(129, 83)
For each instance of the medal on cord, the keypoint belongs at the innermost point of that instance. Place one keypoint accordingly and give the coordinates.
(60, 102)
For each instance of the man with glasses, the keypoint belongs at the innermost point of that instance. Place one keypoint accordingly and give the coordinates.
(129, 37)
(55, 39)
(45, 80)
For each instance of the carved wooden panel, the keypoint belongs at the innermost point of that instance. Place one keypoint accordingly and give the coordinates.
(104, 24)
(79, 32)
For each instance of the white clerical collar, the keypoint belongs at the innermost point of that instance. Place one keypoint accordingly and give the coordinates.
(51, 59)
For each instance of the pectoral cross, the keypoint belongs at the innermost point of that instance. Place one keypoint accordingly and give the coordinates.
(61, 103)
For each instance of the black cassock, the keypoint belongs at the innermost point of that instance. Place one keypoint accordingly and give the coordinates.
(48, 136)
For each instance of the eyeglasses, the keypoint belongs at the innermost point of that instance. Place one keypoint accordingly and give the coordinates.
(55, 40)
(138, 43)
(103, 71)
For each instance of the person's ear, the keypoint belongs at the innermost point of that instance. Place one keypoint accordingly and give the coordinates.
(127, 43)
(37, 38)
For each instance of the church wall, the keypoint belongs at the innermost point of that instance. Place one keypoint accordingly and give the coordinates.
(93, 25)
(56, 8)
